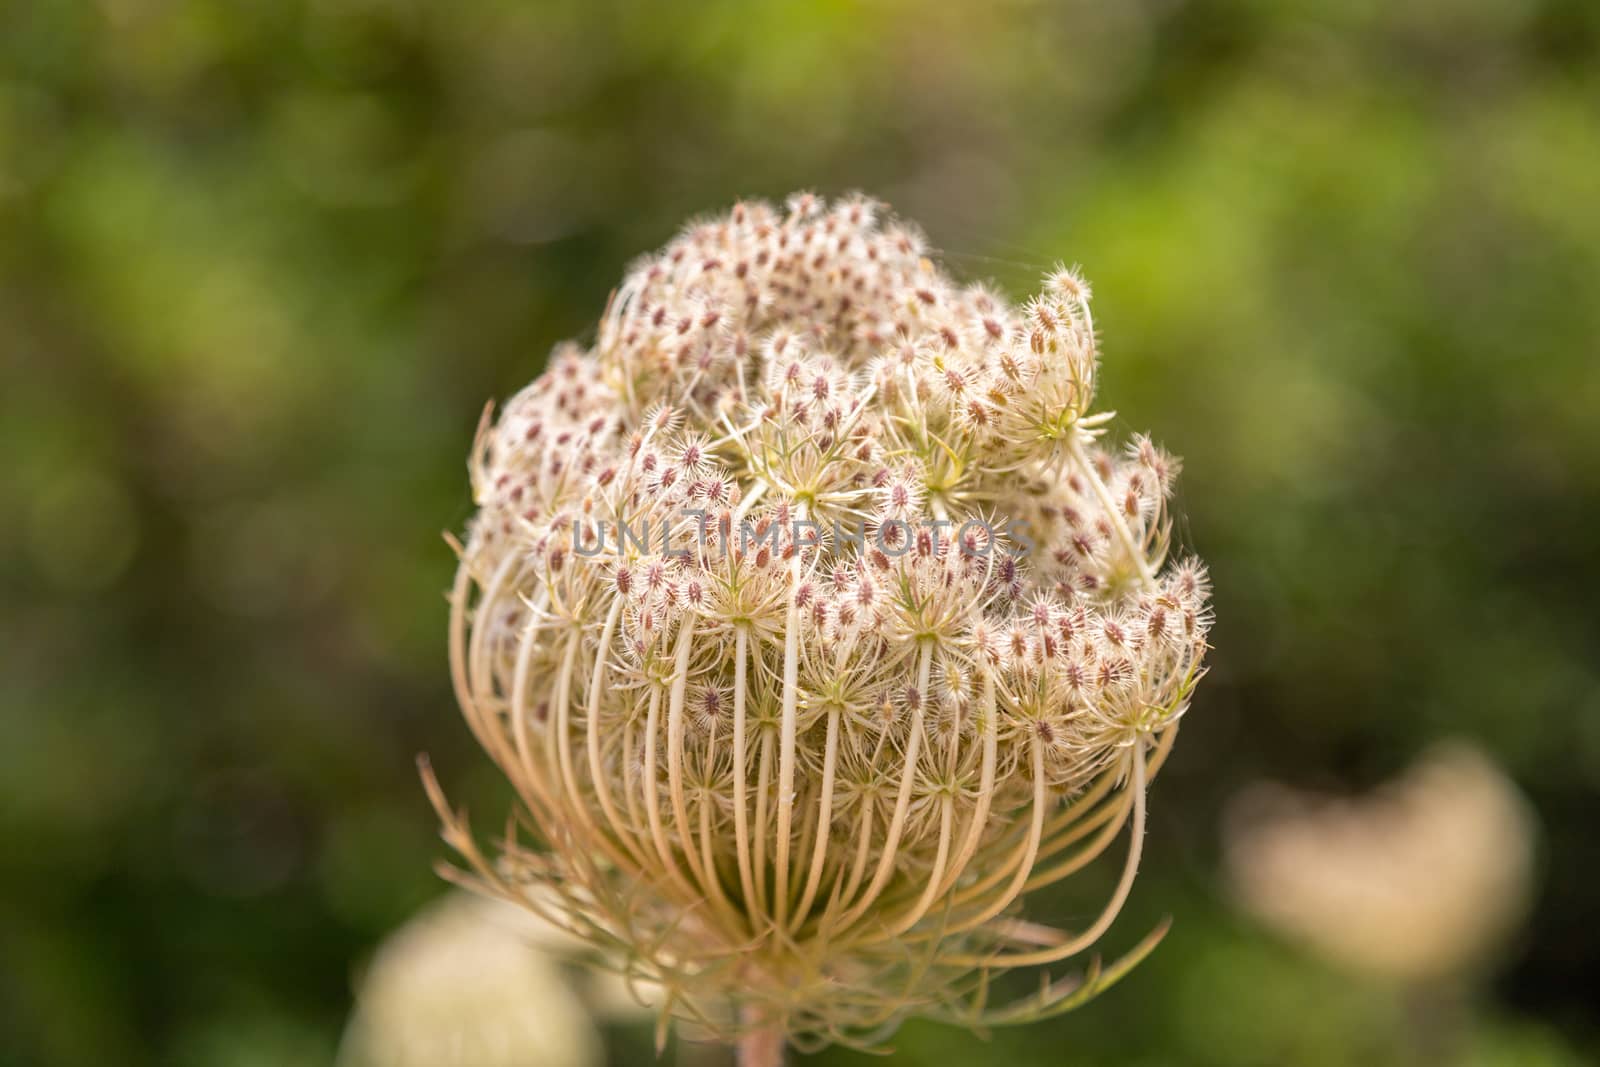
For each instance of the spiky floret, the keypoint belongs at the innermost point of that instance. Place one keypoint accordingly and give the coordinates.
(814, 628)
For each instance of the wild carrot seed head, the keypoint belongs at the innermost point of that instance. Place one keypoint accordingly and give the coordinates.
(846, 630)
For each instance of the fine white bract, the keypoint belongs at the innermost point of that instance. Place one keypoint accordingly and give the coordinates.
(815, 625)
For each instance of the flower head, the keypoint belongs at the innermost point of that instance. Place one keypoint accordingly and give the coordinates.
(815, 627)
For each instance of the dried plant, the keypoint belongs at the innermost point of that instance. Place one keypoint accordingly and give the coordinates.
(815, 626)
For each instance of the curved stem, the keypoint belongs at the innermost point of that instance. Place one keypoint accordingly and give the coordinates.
(980, 816)
(741, 816)
(1075, 945)
(1113, 513)
(935, 878)
(650, 786)
(1035, 831)
(897, 823)
(459, 595)
(786, 752)
(824, 823)
(602, 785)
(704, 875)
(561, 718)
(520, 730)
(763, 788)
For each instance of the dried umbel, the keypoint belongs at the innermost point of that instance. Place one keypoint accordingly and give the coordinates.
(815, 625)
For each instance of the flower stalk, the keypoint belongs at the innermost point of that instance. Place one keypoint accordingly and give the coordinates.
(761, 1048)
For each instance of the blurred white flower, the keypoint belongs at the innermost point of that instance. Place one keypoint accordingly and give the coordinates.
(1419, 880)
(474, 982)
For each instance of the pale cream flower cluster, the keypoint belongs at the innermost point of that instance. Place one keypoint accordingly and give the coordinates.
(815, 626)
(475, 982)
(1418, 881)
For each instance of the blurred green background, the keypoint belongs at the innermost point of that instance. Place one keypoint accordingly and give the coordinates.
(261, 264)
